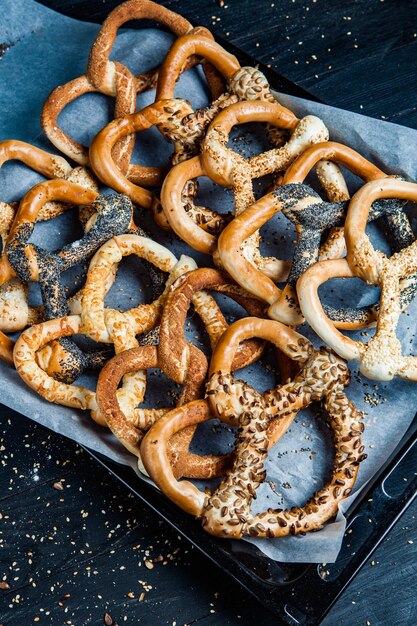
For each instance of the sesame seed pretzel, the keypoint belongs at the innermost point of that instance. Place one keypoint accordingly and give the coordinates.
(33, 263)
(130, 435)
(312, 217)
(102, 273)
(177, 121)
(114, 79)
(50, 166)
(381, 358)
(227, 168)
(227, 511)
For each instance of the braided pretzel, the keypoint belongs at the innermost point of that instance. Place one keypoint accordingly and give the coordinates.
(113, 79)
(227, 511)
(381, 358)
(312, 218)
(130, 435)
(32, 263)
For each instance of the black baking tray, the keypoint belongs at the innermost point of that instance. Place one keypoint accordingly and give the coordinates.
(298, 593)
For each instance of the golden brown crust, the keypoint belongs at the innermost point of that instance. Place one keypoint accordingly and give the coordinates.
(114, 79)
(173, 349)
(183, 462)
(381, 358)
(227, 511)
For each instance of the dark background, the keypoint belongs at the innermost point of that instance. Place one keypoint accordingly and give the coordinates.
(74, 543)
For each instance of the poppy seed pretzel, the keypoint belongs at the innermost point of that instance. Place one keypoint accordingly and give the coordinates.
(312, 217)
(15, 312)
(183, 462)
(381, 358)
(227, 511)
(114, 79)
(29, 359)
(33, 263)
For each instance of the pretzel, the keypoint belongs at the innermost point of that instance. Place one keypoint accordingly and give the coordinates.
(226, 167)
(177, 121)
(100, 277)
(227, 511)
(173, 349)
(32, 263)
(381, 358)
(130, 435)
(114, 79)
(36, 346)
(312, 218)
(50, 166)
(189, 288)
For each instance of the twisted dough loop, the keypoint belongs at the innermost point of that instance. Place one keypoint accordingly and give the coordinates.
(381, 358)
(173, 349)
(183, 462)
(113, 79)
(311, 217)
(227, 511)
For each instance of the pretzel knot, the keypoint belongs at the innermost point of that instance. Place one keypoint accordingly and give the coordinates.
(113, 79)
(381, 358)
(312, 218)
(227, 511)
(130, 435)
(173, 349)
(177, 122)
(33, 263)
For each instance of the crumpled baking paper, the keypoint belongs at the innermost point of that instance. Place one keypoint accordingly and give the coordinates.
(44, 49)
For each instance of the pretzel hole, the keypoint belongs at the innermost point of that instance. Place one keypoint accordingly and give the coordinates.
(249, 139)
(299, 463)
(215, 197)
(151, 149)
(278, 237)
(59, 231)
(212, 437)
(379, 236)
(192, 86)
(161, 391)
(92, 111)
(17, 178)
(349, 298)
(146, 56)
(132, 285)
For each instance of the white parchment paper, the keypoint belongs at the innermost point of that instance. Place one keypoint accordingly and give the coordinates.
(47, 49)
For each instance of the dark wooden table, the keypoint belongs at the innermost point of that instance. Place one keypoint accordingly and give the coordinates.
(74, 543)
